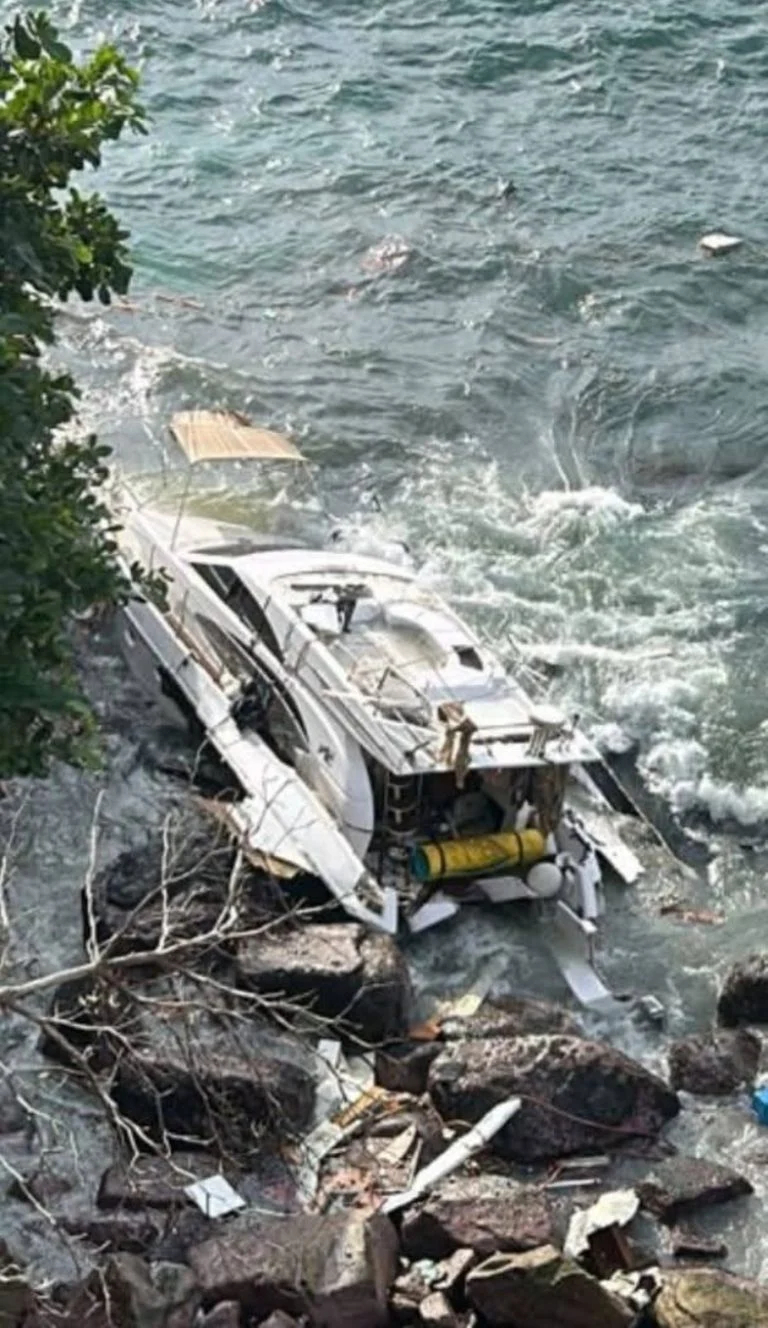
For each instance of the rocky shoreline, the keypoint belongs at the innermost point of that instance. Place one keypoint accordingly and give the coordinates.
(209, 1028)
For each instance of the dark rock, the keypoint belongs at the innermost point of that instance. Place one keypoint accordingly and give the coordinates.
(403, 1067)
(338, 971)
(13, 1116)
(690, 1245)
(140, 1295)
(153, 1182)
(542, 1287)
(16, 1297)
(80, 1016)
(130, 1234)
(744, 997)
(198, 854)
(487, 1214)
(337, 1270)
(195, 1069)
(227, 1315)
(591, 1096)
(714, 1064)
(43, 1186)
(710, 1298)
(514, 1016)
(684, 1184)
(184, 1228)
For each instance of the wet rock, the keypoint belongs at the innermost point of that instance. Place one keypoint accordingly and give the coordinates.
(542, 1287)
(196, 855)
(133, 1234)
(153, 1182)
(337, 1270)
(336, 970)
(277, 1320)
(227, 1315)
(87, 1018)
(487, 1214)
(714, 1064)
(690, 1245)
(13, 1116)
(710, 1298)
(598, 1096)
(744, 997)
(403, 1067)
(43, 1186)
(684, 1184)
(514, 1016)
(196, 1070)
(137, 1295)
(15, 1295)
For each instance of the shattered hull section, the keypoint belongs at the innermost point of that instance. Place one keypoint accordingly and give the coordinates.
(280, 817)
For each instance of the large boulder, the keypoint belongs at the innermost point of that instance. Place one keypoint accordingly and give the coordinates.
(132, 1233)
(710, 1298)
(131, 1293)
(153, 1182)
(542, 1288)
(195, 1070)
(336, 1270)
(744, 996)
(185, 1062)
(577, 1095)
(175, 885)
(403, 1066)
(513, 1016)
(338, 971)
(487, 1214)
(682, 1185)
(715, 1064)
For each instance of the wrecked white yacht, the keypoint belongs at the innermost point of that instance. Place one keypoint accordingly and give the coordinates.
(375, 742)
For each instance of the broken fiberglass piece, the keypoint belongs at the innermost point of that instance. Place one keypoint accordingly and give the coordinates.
(215, 1196)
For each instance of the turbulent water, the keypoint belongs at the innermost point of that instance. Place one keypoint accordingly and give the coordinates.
(453, 247)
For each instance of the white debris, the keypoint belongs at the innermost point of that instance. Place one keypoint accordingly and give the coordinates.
(638, 1289)
(340, 1084)
(454, 1156)
(719, 243)
(215, 1196)
(614, 1209)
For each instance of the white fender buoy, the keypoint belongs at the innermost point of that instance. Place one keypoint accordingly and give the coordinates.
(545, 879)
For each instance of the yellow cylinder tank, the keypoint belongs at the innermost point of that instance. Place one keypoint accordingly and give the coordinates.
(477, 856)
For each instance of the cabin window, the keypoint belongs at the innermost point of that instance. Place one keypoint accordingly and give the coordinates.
(469, 657)
(228, 586)
(268, 708)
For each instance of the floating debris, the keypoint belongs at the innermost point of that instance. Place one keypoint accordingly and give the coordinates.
(719, 243)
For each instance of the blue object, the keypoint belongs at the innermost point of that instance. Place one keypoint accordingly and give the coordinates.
(760, 1104)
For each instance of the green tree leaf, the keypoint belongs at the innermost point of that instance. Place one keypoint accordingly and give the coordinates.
(56, 535)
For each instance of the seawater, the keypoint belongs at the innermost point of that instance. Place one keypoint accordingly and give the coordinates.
(453, 247)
